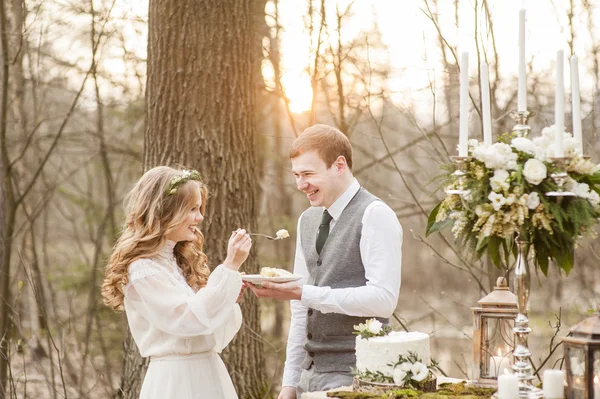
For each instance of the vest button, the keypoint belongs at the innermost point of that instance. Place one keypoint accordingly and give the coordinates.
(319, 262)
(311, 354)
(310, 312)
(309, 336)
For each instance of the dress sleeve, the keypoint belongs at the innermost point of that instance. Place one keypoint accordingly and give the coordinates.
(157, 297)
(225, 333)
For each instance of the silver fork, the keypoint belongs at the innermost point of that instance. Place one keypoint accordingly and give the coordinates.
(266, 236)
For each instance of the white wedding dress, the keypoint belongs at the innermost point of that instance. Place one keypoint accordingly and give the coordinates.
(182, 331)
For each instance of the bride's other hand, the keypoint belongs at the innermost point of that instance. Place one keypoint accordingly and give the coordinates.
(287, 393)
(238, 249)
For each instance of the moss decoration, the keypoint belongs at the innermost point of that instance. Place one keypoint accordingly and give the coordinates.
(445, 391)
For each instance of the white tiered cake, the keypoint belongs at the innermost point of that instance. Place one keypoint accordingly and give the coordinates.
(376, 353)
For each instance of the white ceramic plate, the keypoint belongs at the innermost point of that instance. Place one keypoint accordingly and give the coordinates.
(258, 279)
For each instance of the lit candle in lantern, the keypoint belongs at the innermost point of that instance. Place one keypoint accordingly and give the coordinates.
(522, 93)
(463, 132)
(498, 364)
(576, 102)
(559, 106)
(508, 386)
(485, 105)
(596, 387)
(554, 384)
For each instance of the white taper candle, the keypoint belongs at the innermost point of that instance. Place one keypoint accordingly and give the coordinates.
(576, 102)
(463, 132)
(559, 105)
(485, 104)
(522, 93)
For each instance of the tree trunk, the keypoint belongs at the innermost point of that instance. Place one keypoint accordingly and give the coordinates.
(202, 66)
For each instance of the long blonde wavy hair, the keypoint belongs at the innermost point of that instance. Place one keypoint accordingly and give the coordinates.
(153, 213)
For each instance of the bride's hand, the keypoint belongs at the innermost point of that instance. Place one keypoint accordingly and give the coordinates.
(238, 249)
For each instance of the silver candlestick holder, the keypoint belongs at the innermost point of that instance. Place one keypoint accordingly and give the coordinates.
(522, 366)
(560, 177)
(521, 129)
(460, 176)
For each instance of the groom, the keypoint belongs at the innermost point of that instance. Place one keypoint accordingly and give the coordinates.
(349, 249)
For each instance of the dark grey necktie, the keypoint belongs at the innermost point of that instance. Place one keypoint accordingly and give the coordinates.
(323, 230)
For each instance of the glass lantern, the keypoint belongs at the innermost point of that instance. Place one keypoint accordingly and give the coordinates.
(493, 337)
(582, 356)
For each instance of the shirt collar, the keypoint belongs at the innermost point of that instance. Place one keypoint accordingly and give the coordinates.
(336, 209)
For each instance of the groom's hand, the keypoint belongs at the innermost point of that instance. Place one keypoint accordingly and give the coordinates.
(287, 393)
(280, 291)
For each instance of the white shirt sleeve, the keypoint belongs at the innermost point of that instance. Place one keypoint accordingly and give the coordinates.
(295, 352)
(381, 253)
(156, 296)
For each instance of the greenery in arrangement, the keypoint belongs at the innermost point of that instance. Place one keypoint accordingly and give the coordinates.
(371, 328)
(507, 184)
(409, 372)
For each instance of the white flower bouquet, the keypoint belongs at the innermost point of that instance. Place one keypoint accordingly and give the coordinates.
(506, 185)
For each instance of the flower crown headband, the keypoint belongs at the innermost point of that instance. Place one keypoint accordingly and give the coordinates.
(177, 181)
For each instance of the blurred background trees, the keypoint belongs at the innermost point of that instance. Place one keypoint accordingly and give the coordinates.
(90, 98)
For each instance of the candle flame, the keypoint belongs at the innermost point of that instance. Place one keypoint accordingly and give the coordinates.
(499, 353)
(596, 380)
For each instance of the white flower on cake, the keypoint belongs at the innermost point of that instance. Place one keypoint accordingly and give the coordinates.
(420, 371)
(283, 233)
(371, 328)
(375, 326)
(534, 171)
(399, 376)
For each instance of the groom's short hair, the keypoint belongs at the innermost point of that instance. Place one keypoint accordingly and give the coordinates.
(327, 141)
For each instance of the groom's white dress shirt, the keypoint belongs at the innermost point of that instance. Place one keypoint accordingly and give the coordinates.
(381, 254)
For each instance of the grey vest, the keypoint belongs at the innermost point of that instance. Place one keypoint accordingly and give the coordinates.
(329, 339)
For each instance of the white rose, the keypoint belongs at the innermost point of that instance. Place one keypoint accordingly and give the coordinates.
(399, 376)
(283, 233)
(499, 180)
(420, 371)
(524, 145)
(406, 366)
(374, 326)
(534, 171)
(533, 200)
(497, 200)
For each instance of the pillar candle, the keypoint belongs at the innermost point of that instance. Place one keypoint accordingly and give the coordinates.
(485, 105)
(554, 384)
(576, 102)
(559, 105)
(508, 386)
(463, 133)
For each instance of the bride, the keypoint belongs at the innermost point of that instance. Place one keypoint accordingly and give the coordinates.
(180, 315)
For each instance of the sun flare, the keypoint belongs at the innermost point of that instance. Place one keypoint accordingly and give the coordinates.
(299, 91)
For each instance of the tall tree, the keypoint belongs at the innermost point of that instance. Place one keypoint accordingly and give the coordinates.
(202, 66)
